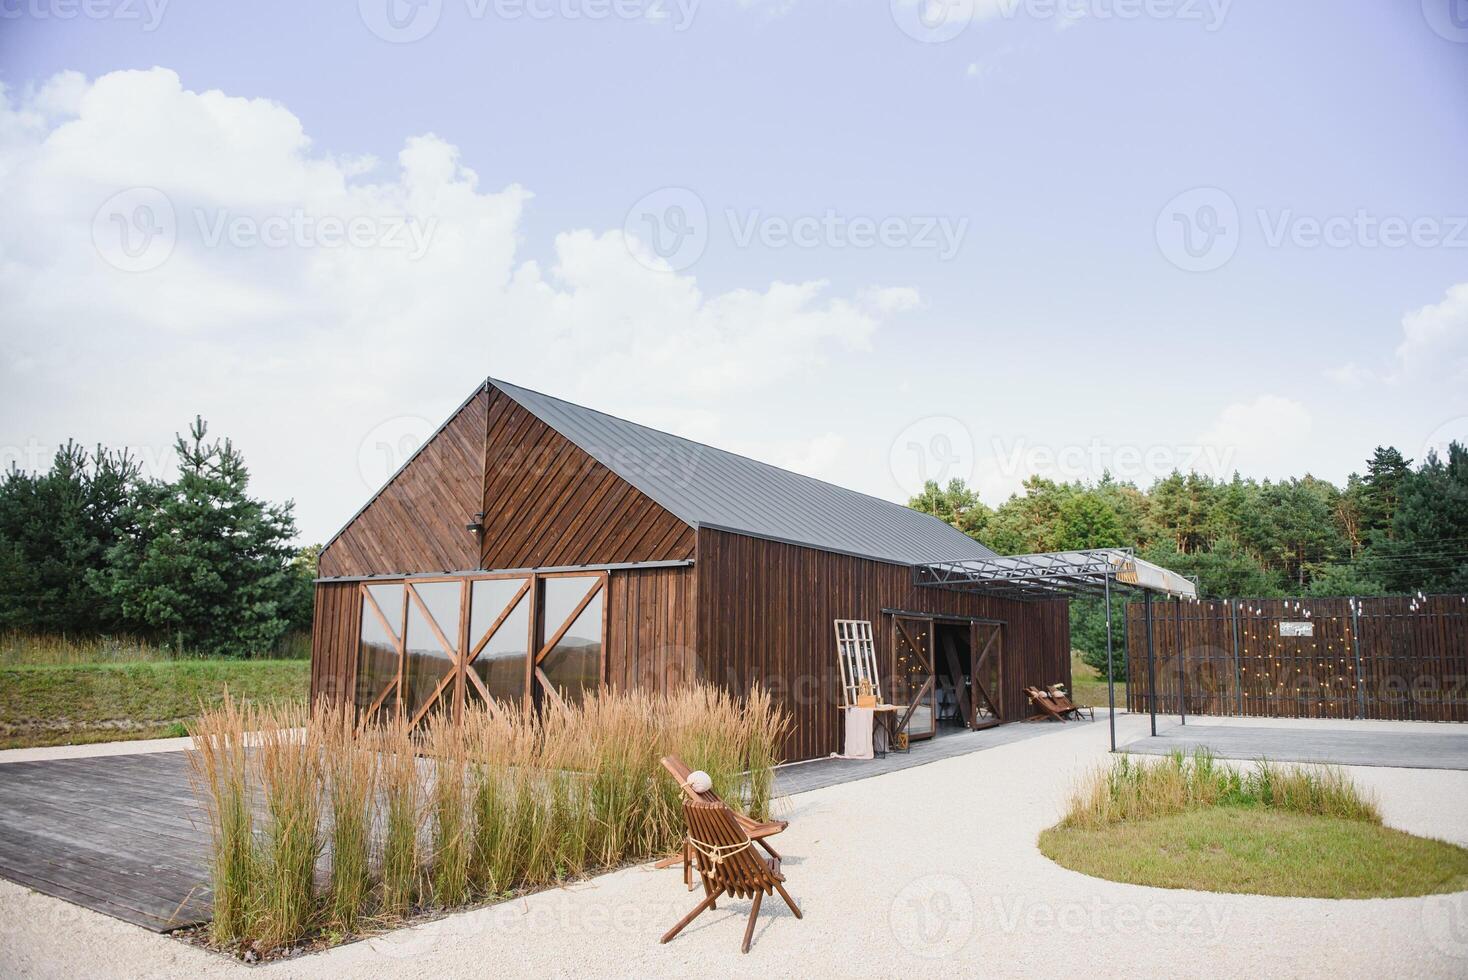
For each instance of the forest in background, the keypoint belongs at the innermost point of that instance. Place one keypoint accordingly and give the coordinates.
(194, 565)
(1400, 527)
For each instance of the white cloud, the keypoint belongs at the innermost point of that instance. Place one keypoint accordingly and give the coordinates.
(300, 350)
(1435, 339)
(1350, 375)
(1263, 437)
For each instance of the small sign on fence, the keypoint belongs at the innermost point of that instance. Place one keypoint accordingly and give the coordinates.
(1306, 628)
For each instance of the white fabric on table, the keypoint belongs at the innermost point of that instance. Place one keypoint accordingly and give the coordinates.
(858, 734)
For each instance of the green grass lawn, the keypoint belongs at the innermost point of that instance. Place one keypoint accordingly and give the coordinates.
(1089, 687)
(1263, 852)
(61, 704)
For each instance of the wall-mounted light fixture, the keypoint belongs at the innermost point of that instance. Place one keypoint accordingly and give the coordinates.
(476, 526)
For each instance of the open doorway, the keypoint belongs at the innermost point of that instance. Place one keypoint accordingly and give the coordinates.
(967, 675)
(955, 701)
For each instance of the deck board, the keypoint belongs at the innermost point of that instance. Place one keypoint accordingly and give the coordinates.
(122, 835)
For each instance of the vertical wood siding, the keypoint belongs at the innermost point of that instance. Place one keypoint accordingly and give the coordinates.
(548, 503)
(765, 613)
(416, 523)
(336, 629)
(651, 617)
(1414, 662)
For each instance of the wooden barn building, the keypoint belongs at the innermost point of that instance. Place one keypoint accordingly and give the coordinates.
(537, 549)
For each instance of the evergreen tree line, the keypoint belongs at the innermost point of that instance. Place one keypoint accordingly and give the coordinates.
(1396, 529)
(93, 548)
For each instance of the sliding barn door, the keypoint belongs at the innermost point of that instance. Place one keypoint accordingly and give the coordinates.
(914, 683)
(986, 644)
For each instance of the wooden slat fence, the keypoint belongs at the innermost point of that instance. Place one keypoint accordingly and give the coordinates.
(1395, 658)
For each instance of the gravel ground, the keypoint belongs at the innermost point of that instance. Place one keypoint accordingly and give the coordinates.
(930, 868)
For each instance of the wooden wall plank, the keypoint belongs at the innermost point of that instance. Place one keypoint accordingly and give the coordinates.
(336, 630)
(416, 523)
(1414, 658)
(765, 614)
(549, 503)
(649, 615)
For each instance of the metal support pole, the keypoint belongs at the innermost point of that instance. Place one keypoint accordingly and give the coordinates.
(1151, 665)
(1356, 646)
(1182, 674)
(1233, 618)
(1110, 673)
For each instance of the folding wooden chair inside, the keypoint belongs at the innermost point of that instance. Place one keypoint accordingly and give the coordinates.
(729, 865)
(757, 830)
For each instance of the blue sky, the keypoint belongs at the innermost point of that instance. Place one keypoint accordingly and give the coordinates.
(1069, 159)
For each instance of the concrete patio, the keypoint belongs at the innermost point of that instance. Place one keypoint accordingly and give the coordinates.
(1405, 745)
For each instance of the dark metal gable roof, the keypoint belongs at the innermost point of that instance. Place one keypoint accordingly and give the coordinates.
(708, 487)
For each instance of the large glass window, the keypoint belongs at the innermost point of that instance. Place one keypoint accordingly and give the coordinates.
(377, 657)
(502, 661)
(431, 658)
(573, 666)
(412, 631)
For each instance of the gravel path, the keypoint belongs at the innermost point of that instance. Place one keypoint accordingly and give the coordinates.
(930, 868)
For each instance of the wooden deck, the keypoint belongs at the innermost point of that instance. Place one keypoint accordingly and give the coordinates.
(120, 834)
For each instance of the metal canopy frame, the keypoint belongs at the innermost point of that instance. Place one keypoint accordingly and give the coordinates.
(1090, 573)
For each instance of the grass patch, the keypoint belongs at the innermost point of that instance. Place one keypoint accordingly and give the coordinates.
(74, 703)
(1191, 822)
(1088, 686)
(1262, 852)
(39, 650)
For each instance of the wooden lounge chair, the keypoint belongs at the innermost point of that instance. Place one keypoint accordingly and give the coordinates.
(1051, 706)
(729, 865)
(1048, 709)
(756, 830)
(1067, 706)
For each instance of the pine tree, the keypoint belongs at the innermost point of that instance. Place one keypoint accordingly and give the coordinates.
(55, 531)
(1427, 546)
(208, 567)
(1381, 491)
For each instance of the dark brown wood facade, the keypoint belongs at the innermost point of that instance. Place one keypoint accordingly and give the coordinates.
(766, 610)
(1391, 658)
(722, 607)
(416, 522)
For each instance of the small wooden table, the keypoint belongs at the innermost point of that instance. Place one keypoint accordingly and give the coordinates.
(884, 715)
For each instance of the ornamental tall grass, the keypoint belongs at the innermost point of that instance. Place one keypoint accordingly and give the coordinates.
(400, 791)
(289, 761)
(351, 779)
(453, 845)
(499, 802)
(219, 772)
(1142, 789)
